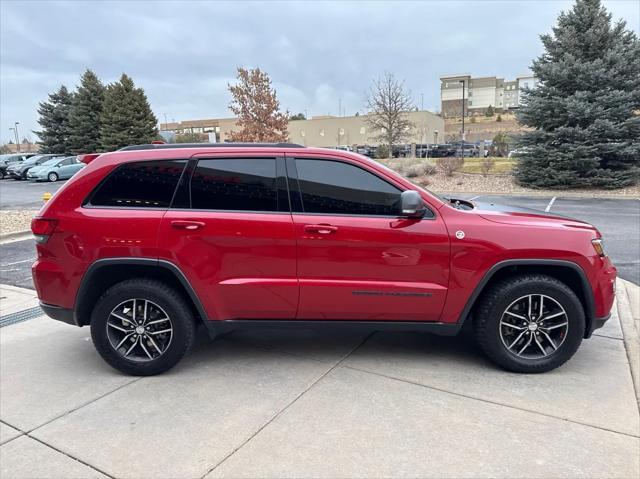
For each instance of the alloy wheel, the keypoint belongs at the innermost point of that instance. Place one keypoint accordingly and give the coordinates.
(534, 326)
(139, 330)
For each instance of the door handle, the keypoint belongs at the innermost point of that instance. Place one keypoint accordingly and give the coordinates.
(322, 229)
(187, 225)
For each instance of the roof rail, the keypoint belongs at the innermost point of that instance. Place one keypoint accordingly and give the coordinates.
(166, 146)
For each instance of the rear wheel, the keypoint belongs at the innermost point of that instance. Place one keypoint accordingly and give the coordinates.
(530, 323)
(142, 327)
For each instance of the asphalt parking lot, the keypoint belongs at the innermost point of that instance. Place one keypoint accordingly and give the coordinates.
(16, 195)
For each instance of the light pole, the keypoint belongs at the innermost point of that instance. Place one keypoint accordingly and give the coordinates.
(421, 101)
(17, 135)
(462, 134)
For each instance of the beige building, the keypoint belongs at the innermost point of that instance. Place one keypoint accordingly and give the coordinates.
(481, 93)
(323, 131)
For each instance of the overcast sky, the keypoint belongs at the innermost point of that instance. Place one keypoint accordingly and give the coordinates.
(184, 53)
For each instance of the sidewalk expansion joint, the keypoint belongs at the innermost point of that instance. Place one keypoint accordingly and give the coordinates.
(288, 405)
(27, 434)
(90, 466)
(613, 431)
(608, 337)
(66, 413)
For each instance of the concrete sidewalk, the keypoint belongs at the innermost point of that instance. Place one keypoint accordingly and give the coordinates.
(315, 404)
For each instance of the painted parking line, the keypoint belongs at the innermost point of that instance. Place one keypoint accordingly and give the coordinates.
(553, 200)
(19, 262)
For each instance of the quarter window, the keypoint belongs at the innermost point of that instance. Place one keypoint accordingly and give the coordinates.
(235, 184)
(333, 187)
(140, 184)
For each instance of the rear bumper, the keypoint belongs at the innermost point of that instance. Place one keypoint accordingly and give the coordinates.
(59, 314)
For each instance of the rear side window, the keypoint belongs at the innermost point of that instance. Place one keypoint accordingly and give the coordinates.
(242, 184)
(149, 184)
(333, 187)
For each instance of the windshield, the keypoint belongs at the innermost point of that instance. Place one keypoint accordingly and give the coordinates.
(52, 161)
(32, 160)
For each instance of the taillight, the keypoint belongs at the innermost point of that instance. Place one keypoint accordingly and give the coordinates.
(42, 229)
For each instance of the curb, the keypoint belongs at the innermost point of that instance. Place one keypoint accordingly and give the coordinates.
(7, 237)
(629, 332)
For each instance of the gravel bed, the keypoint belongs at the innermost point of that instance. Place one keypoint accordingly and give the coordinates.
(426, 174)
(12, 221)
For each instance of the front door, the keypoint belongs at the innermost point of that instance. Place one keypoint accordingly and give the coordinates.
(357, 259)
(230, 231)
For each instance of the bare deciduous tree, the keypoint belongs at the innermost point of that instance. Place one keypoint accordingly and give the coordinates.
(486, 165)
(450, 165)
(258, 109)
(387, 104)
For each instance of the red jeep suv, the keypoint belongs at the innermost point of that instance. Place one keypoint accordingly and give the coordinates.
(147, 242)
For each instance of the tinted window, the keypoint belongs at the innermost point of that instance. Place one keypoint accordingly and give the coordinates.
(235, 184)
(141, 184)
(333, 187)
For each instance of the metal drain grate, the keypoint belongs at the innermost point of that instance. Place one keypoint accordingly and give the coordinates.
(20, 316)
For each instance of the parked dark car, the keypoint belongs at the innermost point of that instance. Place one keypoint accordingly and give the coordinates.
(18, 171)
(7, 160)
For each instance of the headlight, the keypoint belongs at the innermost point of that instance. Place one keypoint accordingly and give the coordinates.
(598, 245)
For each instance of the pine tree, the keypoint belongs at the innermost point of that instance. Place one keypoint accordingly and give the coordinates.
(126, 118)
(585, 113)
(54, 120)
(86, 110)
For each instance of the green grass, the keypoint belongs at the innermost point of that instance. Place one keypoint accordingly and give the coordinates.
(501, 165)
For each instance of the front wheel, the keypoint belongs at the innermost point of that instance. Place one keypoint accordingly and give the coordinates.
(142, 327)
(530, 323)
(52, 177)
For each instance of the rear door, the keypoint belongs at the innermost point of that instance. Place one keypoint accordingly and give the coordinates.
(230, 231)
(357, 258)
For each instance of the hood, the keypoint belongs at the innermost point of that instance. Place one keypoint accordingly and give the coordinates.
(37, 168)
(517, 215)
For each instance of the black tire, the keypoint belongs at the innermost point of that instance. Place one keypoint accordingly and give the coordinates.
(496, 300)
(181, 320)
(1, 175)
(52, 177)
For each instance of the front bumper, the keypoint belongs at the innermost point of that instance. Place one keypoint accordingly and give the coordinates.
(594, 324)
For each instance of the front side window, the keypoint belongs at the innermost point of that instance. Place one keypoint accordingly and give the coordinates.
(243, 184)
(333, 187)
(149, 184)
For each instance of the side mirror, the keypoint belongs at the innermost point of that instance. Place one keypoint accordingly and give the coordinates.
(412, 205)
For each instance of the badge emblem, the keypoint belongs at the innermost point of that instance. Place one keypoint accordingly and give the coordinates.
(460, 234)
